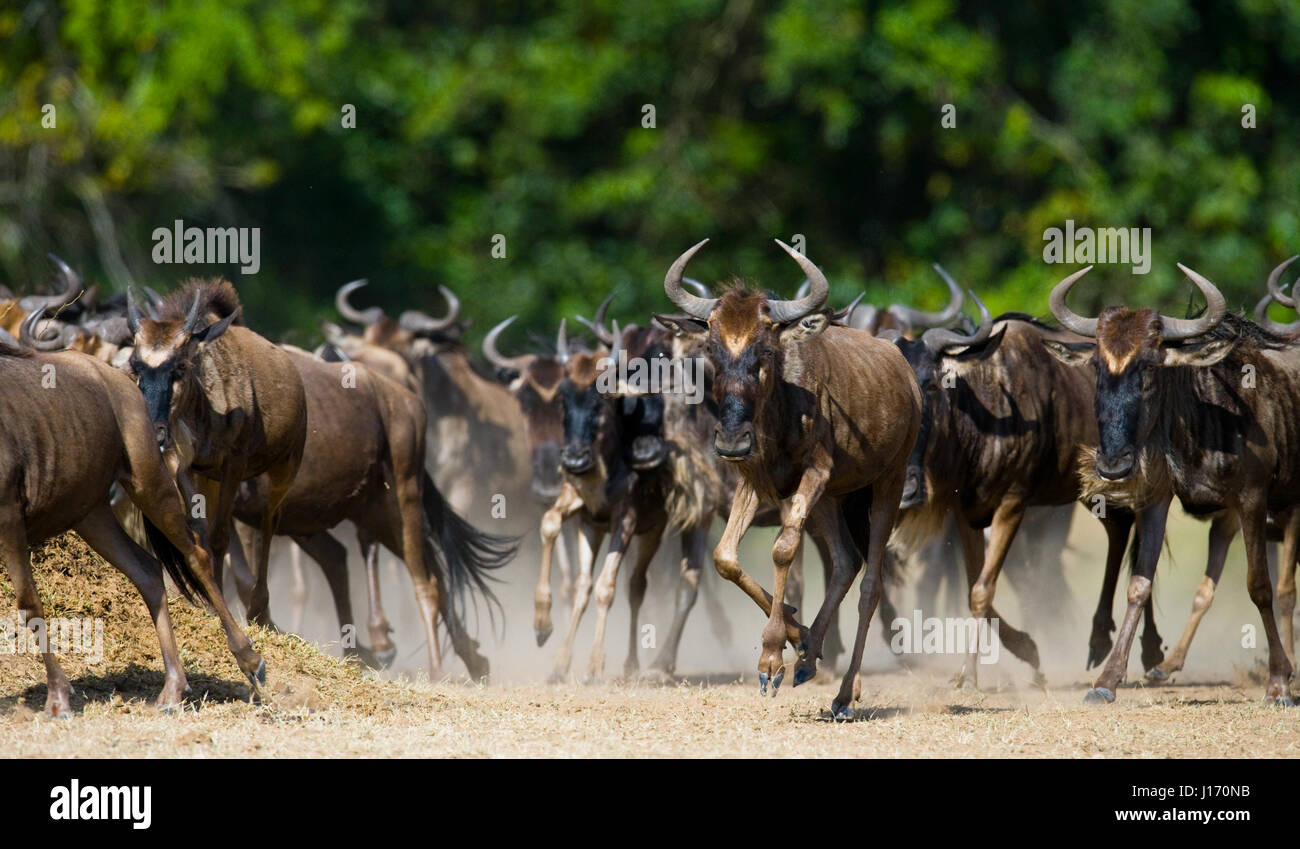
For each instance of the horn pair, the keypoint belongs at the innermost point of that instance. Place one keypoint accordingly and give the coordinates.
(519, 363)
(1172, 329)
(700, 306)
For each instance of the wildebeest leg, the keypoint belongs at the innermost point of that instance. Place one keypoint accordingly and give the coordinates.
(1152, 654)
(794, 514)
(154, 493)
(332, 558)
(566, 504)
(1222, 530)
(726, 559)
(834, 538)
(1286, 590)
(1254, 516)
(1117, 525)
(562, 565)
(410, 528)
(589, 540)
(239, 568)
(101, 532)
(1151, 536)
(622, 525)
(13, 551)
(1006, 520)
(694, 541)
(794, 580)
(972, 543)
(646, 546)
(299, 594)
(833, 646)
(381, 642)
(279, 480)
(880, 503)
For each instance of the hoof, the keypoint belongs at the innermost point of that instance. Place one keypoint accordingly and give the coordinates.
(1156, 675)
(1040, 680)
(762, 683)
(593, 679)
(656, 675)
(1099, 696)
(776, 682)
(543, 636)
(804, 674)
(170, 708)
(841, 713)
(258, 677)
(384, 659)
(1279, 701)
(557, 678)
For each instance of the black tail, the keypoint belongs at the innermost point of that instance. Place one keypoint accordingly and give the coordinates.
(174, 562)
(468, 554)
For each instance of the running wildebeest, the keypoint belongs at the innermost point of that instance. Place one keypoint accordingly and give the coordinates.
(73, 427)
(1174, 420)
(364, 462)
(226, 406)
(820, 419)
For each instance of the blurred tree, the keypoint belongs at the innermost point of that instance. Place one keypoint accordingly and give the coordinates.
(528, 120)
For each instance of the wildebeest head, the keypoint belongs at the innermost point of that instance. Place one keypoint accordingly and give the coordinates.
(534, 381)
(930, 358)
(746, 335)
(1130, 347)
(167, 346)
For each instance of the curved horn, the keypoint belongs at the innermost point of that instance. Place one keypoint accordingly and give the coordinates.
(562, 344)
(418, 322)
(802, 291)
(1262, 319)
(494, 356)
(845, 316)
(71, 286)
(154, 304)
(1216, 307)
(32, 339)
(1069, 319)
(937, 339)
(1275, 290)
(367, 316)
(617, 344)
(909, 317)
(192, 317)
(692, 305)
(700, 289)
(132, 312)
(782, 312)
(597, 324)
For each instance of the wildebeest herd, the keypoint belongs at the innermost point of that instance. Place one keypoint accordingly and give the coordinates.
(169, 435)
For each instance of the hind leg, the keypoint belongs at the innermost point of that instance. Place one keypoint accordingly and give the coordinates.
(1223, 529)
(14, 553)
(624, 524)
(155, 493)
(834, 537)
(381, 642)
(694, 541)
(332, 558)
(1286, 591)
(101, 532)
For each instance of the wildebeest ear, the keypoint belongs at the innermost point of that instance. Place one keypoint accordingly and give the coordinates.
(1071, 353)
(805, 328)
(1206, 354)
(215, 329)
(683, 324)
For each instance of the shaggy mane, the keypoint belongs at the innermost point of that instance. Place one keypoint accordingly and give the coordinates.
(216, 296)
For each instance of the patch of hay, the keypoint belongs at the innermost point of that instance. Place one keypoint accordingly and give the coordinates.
(74, 582)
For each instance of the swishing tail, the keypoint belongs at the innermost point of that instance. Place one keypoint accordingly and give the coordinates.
(468, 554)
(174, 562)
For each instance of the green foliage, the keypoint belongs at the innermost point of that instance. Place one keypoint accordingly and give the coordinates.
(813, 117)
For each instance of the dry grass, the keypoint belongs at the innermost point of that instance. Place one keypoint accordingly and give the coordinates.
(316, 705)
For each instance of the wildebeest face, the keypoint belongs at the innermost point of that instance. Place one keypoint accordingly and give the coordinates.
(537, 389)
(586, 411)
(163, 358)
(1131, 348)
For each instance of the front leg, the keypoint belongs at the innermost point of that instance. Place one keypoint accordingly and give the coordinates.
(566, 503)
(1118, 525)
(726, 559)
(794, 514)
(1151, 536)
(624, 524)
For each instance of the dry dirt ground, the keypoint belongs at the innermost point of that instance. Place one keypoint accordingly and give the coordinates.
(315, 705)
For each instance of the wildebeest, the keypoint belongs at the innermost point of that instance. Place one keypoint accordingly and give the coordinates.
(1002, 429)
(819, 419)
(1175, 418)
(476, 429)
(226, 406)
(74, 426)
(364, 462)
